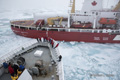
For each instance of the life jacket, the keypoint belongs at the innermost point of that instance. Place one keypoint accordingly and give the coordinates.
(52, 42)
(57, 45)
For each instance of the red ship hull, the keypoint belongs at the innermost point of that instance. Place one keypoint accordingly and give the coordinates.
(69, 36)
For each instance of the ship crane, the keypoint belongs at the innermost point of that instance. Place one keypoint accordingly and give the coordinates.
(72, 4)
(50, 21)
(117, 7)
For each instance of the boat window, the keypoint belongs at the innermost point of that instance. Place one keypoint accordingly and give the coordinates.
(53, 29)
(100, 31)
(62, 29)
(16, 27)
(44, 29)
(112, 31)
(95, 31)
(31, 28)
(12, 26)
(117, 31)
(96, 13)
(114, 14)
(92, 12)
(22, 28)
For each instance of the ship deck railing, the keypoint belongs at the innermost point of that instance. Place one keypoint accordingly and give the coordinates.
(84, 30)
(26, 47)
(66, 29)
(9, 55)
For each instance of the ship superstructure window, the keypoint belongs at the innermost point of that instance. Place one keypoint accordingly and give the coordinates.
(16, 27)
(114, 14)
(32, 28)
(62, 29)
(53, 29)
(22, 28)
(96, 13)
(44, 29)
(12, 26)
(117, 32)
(92, 12)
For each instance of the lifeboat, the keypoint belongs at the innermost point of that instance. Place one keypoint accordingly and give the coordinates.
(107, 21)
(82, 25)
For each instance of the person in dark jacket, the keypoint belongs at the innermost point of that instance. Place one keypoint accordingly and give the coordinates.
(5, 65)
(60, 57)
(11, 70)
(15, 67)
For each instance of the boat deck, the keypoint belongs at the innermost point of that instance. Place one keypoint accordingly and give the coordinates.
(26, 23)
(30, 23)
(30, 62)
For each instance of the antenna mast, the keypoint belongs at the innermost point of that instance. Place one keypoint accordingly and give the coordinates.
(117, 6)
(73, 7)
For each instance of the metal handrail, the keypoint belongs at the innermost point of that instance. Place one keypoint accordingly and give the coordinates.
(9, 55)
(59, 66)
(77, 30)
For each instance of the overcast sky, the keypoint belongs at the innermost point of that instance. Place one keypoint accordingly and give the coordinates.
(45, 4)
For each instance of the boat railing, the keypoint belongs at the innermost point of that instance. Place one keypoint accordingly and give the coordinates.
(19, 26)
(84, 30)
(111, 31)
(54, 52)
(59, 65)
(60, 70)
(12, 53)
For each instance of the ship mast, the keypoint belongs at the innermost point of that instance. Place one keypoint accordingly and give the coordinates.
(117, 7)
(73, 7)
(72, 11)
